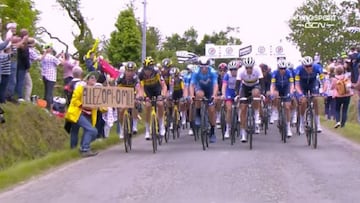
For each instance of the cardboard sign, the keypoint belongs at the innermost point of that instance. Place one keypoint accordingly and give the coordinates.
(118, 97)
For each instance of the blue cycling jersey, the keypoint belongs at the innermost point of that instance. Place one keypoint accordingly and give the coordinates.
(187, 79)
(230, 82)
(206, 81)
(282, 82)
(305, 78)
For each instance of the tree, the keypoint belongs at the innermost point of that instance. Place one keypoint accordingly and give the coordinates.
(125, 42)
(316, 27)
(20, 11)
(84, 40)
(351, 14)
(152, 41)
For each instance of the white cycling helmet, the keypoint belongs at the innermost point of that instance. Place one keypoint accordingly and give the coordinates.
(249, 61)
(204, 61)
(289, 65)
(233, 65)
(281, 64)
(307, 61)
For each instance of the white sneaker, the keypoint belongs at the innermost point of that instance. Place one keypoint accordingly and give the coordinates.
(243, 135)
(227, 134)
(337, 125)
(294, 118)
(218, 126)
(134, 129)
(162, 131)
(257, 118)
(183, 121)
(301, 128)
(191, 133)
(274, 116)
(218, 118)
(289, 133)
(319, 129)
(171, 126)
(257, 129)
(121, 135)
(147, 135)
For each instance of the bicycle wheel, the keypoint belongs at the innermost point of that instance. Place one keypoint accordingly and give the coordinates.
(222, 122)
(266, 119)
(308, 126)
(250, 126)
(176, 123)
(234, 122)
(154, 133)
(298, 121)
(314, 132)
(126, 132)
(283, 125)
(167, 126)
(203, 125)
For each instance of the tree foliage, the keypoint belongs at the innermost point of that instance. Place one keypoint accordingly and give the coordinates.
(125, 41)
(330, 40)
(20, 11)
(84, 40)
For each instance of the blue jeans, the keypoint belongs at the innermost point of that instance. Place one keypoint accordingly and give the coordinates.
(12, 79)
(89, 134)
(49, 89)
(20, 81)
(342, 103)
(3, 87)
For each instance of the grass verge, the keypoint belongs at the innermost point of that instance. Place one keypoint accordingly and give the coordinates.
(28, 169)
(350, 131)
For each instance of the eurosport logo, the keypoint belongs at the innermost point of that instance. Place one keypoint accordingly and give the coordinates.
(315, 21)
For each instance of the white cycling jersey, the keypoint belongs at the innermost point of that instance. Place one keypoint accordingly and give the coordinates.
(249, 79)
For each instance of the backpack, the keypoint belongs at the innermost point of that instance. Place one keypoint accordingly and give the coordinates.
(69, 89)
(342, 85)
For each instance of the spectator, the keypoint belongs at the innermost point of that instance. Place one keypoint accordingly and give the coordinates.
(91, 62)
(342, 101)
(49, 65)
(357, 87)
(68, 67)
(11, 27)
(5, 67)
(329, 101)
(33, 56)
(83, 117)
(23, 64)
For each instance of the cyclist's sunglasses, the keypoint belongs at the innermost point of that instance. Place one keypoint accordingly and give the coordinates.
(308, 66)
(248, 67)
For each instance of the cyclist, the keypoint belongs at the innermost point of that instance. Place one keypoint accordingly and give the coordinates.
(204, 84)
(128, 79)
(282, 84)
(249, 77)
(228, 92)
(306, 80)
(294, 102)
(222, 69)
(266, 82)
(153, 85)
(176, 92)
(186, 94)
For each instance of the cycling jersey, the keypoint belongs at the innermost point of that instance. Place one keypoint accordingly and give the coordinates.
(177, 84)
(151, 82)
(230, 82)
(187, 80)
(308, 81)
(123, 81)
(220, 82)
(282, 82)
(166, 76)
(266, 83)
(249, 79)
(204, 82)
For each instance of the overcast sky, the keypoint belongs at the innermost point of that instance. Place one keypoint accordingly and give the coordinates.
(261, 22)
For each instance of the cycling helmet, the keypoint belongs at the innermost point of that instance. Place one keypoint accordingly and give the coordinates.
(166, 63)
(233, 65)
(190, 67)
(130, 66)
(281, 64)
(148, 61)
(249, 62)
(203, 61)
(174, 71)
(289, 65)
(222, 66)
(307, 61)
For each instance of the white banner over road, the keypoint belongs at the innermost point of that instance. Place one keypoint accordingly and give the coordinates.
(223, 51)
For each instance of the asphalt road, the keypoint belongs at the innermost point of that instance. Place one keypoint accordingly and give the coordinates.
(182, 172)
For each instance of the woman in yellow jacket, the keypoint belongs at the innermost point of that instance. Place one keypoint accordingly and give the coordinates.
(83, 117)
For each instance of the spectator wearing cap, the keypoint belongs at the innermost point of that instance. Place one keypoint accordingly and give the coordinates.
(84, 117)
(34, 55)
(23, 63)
(49, 64)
